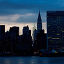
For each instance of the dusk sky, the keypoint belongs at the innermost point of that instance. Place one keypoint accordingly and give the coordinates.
(25, 12)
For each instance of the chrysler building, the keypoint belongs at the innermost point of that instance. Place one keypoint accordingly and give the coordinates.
(39, 22)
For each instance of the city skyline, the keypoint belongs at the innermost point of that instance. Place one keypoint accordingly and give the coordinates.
(25, 44)
(21, 12)
(31, 25)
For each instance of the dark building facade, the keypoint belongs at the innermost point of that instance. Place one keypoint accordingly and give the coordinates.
(14, 32)
(40, 37)
(39, 22)
(13, 37)
(2, 37)
(26, 40)
(55, 29)
(26, 31)
(40, 42)
(2, 31)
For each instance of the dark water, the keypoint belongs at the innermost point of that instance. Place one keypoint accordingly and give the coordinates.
(32, 60)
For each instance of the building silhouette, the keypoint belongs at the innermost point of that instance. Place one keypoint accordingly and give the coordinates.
(11, 43)
(2, 32)
(39, 22)
(27, 39)
(2, 37)
(55, 29)
(14, 32)
(26, 31)
(39, 36)
(13, 37)
(34, 35)
(24, 45)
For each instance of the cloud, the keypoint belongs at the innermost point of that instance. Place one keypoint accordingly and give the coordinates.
(29, 17)
(22, 18)
(18, 6)
(19, 10)
(26, 11)
(21, 25)
(9, 18)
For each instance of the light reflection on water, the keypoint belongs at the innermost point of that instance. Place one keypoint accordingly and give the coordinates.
(32, 60)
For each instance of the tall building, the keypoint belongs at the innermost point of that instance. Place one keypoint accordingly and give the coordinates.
(2, 32)
(13, 38)
(27, 39)
(26, 31)
(39, 36)
(55, 29)
(34, 34)
(39, 22)
(14, 32)
(2, 37)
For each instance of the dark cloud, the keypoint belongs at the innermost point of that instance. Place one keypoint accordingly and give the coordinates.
(15, 6)
(23, 7)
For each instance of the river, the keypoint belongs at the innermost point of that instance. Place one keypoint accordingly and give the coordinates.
(32, 60)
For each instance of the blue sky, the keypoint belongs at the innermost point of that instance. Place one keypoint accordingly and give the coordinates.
(26, 11)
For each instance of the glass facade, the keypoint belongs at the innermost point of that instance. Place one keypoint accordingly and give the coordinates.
(55, 29)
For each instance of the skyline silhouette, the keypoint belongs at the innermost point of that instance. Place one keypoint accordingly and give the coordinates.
(16, 12)
(11, 43)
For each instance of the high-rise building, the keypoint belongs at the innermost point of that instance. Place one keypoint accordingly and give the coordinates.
(39, 35)
(26, 31)
(13, 38)
(55, 29)
(2, 32)
(26, 39)
(34, 34)
(14, 32)
(2, 37)
(39, 22)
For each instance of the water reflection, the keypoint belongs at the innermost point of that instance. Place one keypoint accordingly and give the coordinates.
(31, 60)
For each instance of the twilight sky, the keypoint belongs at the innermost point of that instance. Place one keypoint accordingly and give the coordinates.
(25, 12)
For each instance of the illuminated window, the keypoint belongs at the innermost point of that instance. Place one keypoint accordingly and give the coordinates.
(57, 34)
(62, 31)
(55, 38)
(49, 37)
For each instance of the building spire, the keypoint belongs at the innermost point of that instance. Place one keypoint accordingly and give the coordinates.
(39, 16)
(39, 22)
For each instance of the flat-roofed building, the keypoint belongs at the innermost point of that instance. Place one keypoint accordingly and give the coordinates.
(55, 29)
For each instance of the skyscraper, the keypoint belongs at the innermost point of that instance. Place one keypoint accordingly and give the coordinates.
(39, 36)
(39, 22)
(14, 32)
(27, 40)
(26, 31)
(2, 32)
(2, 37)
(55, 29)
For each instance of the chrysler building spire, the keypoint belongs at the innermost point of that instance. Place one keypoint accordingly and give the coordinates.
(39, 22)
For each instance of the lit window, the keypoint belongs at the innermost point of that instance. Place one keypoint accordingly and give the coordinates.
(62, 31)
(55, 38)
(49, 37)
(57, 34)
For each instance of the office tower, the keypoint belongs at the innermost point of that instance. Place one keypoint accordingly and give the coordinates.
(34, 34)
(26, 31)
(39, 22)
(2, 32)
(14, 32)
(13, 38)
(2, 37)
(39, 36)
(55, 29)
(27, 39)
